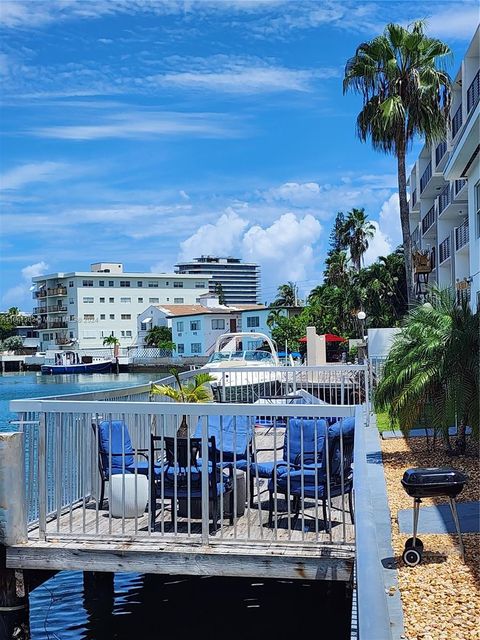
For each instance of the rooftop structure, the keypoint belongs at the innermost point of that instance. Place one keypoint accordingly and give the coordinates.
(240, 281)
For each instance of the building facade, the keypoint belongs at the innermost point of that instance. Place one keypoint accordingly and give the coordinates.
(445, 190)
(80, 309)
(240, 281)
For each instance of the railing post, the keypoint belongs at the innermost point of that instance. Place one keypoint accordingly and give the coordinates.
(42, 475)
(367, 392)
(205, 487)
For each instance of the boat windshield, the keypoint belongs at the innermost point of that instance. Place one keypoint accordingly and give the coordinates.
(250, 356)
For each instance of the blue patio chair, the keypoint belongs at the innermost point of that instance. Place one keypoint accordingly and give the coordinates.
(303, 443)
(233, 436)
(117, 456)
(311, 480)
(175, 473)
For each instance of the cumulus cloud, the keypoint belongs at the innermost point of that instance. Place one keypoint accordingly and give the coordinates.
(19, 294)
(389, 220)
(379, 245)
(220, 239)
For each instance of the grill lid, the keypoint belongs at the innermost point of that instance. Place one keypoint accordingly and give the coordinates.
(427, 476)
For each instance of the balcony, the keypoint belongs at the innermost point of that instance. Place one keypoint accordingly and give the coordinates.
(458, 185)
(440, 152)
(57, 309)
(427, 174)
(415, 238)
(57, 291)
(457, 122)
(63, 340)
(40, 294)
(57, 324)
(444, 249)
(39, 310)
(413, 198)
(444, 199)
(473, 93)
(461, 235)
(42, 325)
(428, 220)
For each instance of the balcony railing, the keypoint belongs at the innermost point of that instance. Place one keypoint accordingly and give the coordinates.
(457, 121)
(39, 310)
(40, 294)
(473, 93)
(461, 235)
(444, 249)
(427, 174)
(415, 237)
(57, 309)
(57, 291)
(428, 219)
(458, 185)
(444, 199)
(414, 197)
(440, 152)
(58, 324)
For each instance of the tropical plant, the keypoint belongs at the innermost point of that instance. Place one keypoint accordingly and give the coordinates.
(160, 337)
(220, 293)
(432, 369)
(355, 233)
(191, 392)
(287, 296)
(111, 341)
(406, 92)
(13, 343)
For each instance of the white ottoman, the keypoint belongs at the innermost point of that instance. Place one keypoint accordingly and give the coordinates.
(133, 508)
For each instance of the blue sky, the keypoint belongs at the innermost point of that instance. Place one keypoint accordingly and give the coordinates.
(144, 131)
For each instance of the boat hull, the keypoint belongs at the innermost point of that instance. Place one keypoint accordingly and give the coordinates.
(92, 367)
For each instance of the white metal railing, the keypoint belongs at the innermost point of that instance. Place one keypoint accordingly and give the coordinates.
(461, 235)
(72, 447)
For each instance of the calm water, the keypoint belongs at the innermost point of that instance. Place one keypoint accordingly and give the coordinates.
(147, 607)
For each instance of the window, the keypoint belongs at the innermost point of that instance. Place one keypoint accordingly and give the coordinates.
(45, 336)
(126, 334)
(196, 347)
(72, 318)
(88, 317)
(126, 316)
(111, 283)
(140, 300)
(102, 316)
(87, 283)
(178, 300)
(153, 285)
(101, 283)
(218, 324)
(124, 283)
(139, 284)
(101, 299)
(178, 284)
(70, 284)
(125, 299)
(195, 325)
(153, 300)
(180, 348)
(253, 321)
(112, 316)
(477, 207)
(180, 326)
(88, 299)
(111, 299)
(199, 285)
(71, 301)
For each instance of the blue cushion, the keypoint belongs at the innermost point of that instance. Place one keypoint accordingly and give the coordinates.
(309, 430)
(232, 434)
(346, 426)
(265, 469)
(121, 446)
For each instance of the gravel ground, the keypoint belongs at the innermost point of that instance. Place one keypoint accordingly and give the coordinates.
(441, 596)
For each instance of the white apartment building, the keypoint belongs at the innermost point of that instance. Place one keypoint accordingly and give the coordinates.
(445, 189)
(80, 309)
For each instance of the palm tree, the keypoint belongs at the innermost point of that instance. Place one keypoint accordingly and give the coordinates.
(355, 234)
(406, 92)
(432, 368)
(336, 268)
(195, 391)
(111, 341)
(287, 296)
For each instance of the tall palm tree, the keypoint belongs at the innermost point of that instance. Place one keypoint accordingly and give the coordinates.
(355, 234)
(287, 296)
(406, 92)
(336, 269)
(432, 368)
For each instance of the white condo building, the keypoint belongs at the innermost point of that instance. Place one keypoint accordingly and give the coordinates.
(80, 309)
(445, 189)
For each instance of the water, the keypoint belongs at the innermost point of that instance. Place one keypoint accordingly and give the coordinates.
(147, 607)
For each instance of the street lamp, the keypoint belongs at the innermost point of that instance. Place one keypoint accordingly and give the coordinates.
(361, 315)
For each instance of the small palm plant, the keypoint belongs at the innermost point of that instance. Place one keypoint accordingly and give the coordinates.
(111, 341)
(432, 368)
(193, 391)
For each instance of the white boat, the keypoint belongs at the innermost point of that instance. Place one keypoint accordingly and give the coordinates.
(233, 363)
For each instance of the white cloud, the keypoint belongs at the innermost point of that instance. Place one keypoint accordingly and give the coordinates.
(27, 173)
(19, 295)
(220, 238)
(379, 245)
(458, 22)
(389, 220)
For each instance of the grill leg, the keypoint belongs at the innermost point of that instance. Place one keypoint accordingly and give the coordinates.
(416, 513)
(453, 507)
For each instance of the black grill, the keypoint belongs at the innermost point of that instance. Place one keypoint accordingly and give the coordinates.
(430, 482)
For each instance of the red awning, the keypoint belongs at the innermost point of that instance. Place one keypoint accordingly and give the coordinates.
(329, 337)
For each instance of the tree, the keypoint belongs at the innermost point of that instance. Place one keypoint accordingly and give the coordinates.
(220, 293)
(12, 343)
(336, 239)
(336, 269)
(432, 368)
(111, 341)
(160, 337)
(192, 391)
(406, 92)
(289, 330)
(355, 234)
(287, 296)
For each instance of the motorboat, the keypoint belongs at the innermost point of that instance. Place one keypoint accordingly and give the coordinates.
(66, 362)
